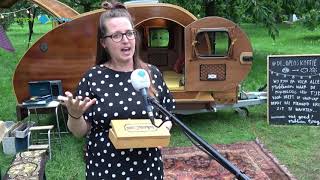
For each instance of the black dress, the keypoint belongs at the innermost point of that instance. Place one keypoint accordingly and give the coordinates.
(117, 99)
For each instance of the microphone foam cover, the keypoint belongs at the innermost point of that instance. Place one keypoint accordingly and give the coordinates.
(140, 79)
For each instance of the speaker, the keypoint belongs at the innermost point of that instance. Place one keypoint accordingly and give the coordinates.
(44, 88)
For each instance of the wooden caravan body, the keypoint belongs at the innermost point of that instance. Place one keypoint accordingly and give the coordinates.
(54, 7)
(203, 60)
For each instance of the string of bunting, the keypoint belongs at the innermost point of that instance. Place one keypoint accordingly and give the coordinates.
(293, 76)
(3, 15)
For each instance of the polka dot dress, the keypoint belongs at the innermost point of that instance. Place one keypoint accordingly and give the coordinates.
(117, 99)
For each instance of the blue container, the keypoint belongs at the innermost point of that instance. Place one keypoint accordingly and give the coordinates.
(13, 145)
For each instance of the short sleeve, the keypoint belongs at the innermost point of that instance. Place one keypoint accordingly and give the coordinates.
(163, 93)
(84, 90)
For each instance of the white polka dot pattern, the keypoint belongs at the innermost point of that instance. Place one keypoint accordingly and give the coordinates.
(116, 99)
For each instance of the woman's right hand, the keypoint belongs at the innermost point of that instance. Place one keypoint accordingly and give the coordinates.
(76, 106)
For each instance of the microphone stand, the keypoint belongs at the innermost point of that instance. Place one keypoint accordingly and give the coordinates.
(210, 150)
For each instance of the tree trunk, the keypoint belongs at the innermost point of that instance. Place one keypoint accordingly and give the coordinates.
(87, 7)
(209, 6)
(7, 3)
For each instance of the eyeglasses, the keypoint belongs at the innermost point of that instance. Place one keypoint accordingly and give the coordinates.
(118, 36)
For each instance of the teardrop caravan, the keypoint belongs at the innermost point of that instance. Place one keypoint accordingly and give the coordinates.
(203, 61)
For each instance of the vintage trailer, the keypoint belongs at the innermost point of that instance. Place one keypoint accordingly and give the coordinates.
(203, 60)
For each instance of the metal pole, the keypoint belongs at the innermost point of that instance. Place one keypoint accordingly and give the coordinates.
(211, 151)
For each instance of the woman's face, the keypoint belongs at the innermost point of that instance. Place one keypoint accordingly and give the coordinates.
(123, 50)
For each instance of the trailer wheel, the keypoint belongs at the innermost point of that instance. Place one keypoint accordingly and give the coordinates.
(242, 111)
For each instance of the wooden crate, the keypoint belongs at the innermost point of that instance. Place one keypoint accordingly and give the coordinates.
(135, 133)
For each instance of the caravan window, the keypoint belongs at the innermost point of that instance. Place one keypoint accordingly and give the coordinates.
(158, 38)
(212, 43)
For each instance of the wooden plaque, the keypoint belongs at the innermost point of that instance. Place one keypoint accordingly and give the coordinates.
(136, 133)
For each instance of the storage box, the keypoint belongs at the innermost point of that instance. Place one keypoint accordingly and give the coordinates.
(12, 145)
(23, 130)
(5, 126)
(15, 138)
(138, 133)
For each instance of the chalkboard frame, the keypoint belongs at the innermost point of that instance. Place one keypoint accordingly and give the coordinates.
(268, 85)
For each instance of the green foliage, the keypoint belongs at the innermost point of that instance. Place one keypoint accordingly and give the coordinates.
(83, 6)
(232, 10)
(310, 13)
(9, 19)
(261, 14)
(266, 12)
(311, 19)
(290, 6)
(279, 10)
(195, 6)
(256, 11)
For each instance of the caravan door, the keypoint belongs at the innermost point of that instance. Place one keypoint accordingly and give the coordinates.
(218, 55)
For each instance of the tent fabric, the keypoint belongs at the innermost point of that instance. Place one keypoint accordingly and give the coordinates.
(4, 41)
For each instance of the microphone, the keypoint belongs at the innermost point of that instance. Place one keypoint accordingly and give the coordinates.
(140, 81)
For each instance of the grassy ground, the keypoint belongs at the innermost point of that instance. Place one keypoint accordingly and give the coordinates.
(297, 147)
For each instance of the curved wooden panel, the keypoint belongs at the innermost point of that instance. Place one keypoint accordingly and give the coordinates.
(56, 8)
(235, 70)
(143, 12)
(69, 50)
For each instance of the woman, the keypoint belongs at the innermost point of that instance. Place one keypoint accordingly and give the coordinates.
(105, 93)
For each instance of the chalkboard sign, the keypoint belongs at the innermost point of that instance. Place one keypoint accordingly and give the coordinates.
(294, 89)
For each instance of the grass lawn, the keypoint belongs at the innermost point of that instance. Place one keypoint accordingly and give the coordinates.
(297, 147)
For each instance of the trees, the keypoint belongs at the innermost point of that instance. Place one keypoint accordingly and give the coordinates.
(7, 19)
(238, 11)
(85, 5)
(309, 11)
(260, 11)
(266, 12)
